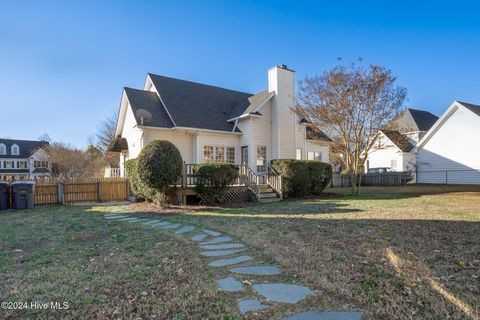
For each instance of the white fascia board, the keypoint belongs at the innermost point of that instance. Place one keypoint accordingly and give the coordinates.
(193, 130)
(447, 114)
(122, 114)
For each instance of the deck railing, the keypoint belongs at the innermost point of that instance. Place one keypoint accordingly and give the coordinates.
(274, 179)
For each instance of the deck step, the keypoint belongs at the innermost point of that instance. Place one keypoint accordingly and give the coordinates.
(268, 195)
(268, 200)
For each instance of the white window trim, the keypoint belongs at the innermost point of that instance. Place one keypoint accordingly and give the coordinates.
(266, 157)
(3, 149)
(215, 146)
(15, 147)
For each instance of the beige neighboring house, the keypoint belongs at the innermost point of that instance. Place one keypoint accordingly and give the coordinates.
(394, 147)
(213, 124)
(24, 160)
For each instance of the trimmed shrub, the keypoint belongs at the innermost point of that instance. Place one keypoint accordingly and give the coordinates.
(139, 189)
(302, 178)
(213, 179)
(159, 165)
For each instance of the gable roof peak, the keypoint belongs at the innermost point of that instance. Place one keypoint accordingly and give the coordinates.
(470, 106)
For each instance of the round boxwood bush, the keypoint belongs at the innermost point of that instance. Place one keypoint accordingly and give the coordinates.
(159, 165)
(303, 178)
(213, 179)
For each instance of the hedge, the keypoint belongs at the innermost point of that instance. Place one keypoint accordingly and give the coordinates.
(139, 189)
(302, 178)
(213, 179)
(159, 165)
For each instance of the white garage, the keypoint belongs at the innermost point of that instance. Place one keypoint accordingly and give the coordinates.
(450, 151)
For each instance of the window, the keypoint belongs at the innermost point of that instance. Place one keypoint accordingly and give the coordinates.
(21, 164)
(230, 155)
(245, 155)
(315, 156)
(299, 154)
(219, 154)
(8, 164)
(261, 159)
(3, 149)
(40, 164)
(15, 150)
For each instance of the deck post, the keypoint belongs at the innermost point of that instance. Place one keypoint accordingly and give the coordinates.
(184, 175)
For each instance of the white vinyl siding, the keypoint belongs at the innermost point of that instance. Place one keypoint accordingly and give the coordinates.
(452, 153)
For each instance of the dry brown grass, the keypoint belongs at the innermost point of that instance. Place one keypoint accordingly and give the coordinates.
(394, 252)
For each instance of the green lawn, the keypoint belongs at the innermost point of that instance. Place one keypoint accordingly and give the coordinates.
(104, 270)
(394, 252)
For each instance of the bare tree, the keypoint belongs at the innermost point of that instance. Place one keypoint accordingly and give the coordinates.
(106, 131)
(351, 104)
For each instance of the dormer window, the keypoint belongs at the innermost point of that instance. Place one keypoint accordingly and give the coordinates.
(3, 149)
(15, 150)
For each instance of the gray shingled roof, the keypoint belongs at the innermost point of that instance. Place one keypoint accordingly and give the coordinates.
(424, 119)
(472, 107)
(400, 140)
(248, 105)
(27, 147)
(313, 133)
(149, 101)
(197, 105)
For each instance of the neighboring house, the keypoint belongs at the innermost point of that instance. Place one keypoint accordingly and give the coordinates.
(394, 146)
(450, 151)
(212, 124)
(23, 160)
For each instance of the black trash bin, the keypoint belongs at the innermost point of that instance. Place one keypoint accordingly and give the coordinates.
(3, 196)
(22, 193)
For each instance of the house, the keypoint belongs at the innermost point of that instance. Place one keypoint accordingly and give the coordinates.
(449, 153)
(213, 124)
(23, 160)
(394, 145)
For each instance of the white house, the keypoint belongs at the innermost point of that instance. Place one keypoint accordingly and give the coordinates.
(394, 146)
(212, 124)
(450, 151)
(23, 160)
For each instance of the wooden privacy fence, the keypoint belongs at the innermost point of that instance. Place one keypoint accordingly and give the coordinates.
(373, 179)
(74, 191)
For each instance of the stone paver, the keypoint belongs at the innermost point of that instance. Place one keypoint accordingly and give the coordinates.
(170, 226)
(257, 270)
(111, 214)
(282, 292)
(212, 233)
(217, 240)
(229, 261)
(220, 253)
(229, 284)
(185, 229)
(127, 219)
(326, 315)
(246, 305)
(161, 224)
(151, 222)
(199, 237)
(115, 217)
(137, 220)
(223, 246)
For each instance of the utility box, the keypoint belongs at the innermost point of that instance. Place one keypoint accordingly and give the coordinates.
(22, 195)
(3, 196)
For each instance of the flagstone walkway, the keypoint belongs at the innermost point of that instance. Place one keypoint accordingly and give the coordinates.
(225, 252)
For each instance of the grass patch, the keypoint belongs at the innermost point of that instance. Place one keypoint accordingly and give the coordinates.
(393, 252)
(104, 269)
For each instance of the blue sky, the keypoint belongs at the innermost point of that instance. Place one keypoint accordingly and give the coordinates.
(63, 63)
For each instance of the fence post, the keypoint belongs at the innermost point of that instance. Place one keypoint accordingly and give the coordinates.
(60, 194)
(99, 193)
